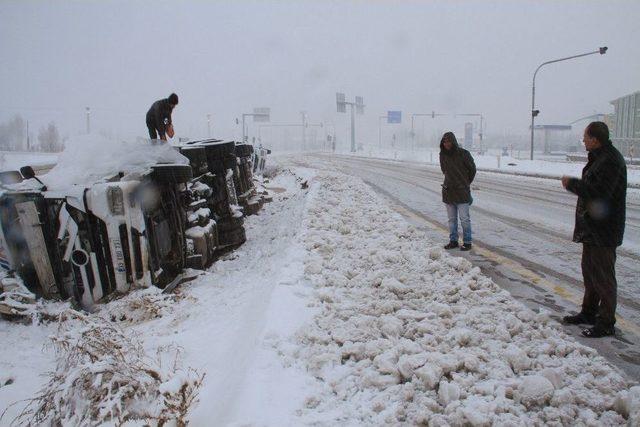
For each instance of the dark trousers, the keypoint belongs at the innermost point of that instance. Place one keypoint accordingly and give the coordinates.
(600, 286)
(152, 131)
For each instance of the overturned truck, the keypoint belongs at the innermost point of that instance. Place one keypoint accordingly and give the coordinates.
(127, 230)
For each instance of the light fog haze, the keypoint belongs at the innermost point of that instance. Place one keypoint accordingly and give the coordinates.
(225, 58)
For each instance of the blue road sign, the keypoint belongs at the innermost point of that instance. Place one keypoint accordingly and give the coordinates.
(394, 116)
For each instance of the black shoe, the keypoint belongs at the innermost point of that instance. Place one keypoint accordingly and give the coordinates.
(599, 331)
(466, 247)
(451, 245)
(580, 319)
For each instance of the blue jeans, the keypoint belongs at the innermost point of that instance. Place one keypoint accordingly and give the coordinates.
(453, 211)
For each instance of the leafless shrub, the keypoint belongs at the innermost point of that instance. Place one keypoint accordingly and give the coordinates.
(104, 375)
(140, 306)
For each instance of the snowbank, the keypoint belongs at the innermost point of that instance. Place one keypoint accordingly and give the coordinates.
(90, 158)
(406, 333)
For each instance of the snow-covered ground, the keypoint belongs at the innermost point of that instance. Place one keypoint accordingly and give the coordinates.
(338, 312)
(10, 160)
(506, 164)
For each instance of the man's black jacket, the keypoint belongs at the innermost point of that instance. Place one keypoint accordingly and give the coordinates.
(602, 196)
(159, 116)
(459, 170)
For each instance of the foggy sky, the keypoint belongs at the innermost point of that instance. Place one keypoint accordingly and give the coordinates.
(225, 58)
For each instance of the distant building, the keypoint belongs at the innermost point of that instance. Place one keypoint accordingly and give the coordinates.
(625, 124)
(553, 137)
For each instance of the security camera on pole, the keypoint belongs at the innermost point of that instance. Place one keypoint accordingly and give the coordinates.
(342, 108)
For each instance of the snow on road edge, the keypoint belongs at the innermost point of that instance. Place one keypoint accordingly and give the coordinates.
(408, 333)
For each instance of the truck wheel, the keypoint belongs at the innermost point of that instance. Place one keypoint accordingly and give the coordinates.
(171, 174)
(232, 238)
(244, 150)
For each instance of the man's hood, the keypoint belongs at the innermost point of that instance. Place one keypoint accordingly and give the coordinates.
(453, 139)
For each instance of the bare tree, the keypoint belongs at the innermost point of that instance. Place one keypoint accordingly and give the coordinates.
(13, 134)
(49, 138)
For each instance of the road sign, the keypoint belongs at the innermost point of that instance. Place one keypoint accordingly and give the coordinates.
(341, 102)
(394, 116)
(261, 114)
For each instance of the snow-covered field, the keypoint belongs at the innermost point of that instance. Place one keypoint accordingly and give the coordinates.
(537, 167)
(338, 312)
(15, 160)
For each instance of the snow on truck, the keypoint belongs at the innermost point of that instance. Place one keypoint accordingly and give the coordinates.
(167, 208)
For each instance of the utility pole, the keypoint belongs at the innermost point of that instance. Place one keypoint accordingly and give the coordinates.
(28, 135)
(353, 129)
(380, 131)
(88, 120)
(304, 129)
(209, 125)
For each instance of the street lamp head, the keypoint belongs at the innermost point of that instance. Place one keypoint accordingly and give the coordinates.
(603, 50)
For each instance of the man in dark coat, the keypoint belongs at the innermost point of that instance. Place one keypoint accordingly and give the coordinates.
(600, 219)
(159, 117)
(459, 170)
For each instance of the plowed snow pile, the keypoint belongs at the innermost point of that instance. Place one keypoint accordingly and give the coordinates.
(406, 333)
(334, 312)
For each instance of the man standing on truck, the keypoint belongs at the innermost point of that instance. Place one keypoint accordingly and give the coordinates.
(159, 117)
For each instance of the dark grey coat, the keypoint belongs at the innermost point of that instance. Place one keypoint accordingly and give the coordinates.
(602, 198)
(459, 170)
(159, 116)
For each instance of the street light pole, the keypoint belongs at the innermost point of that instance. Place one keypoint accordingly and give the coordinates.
(209, 125)
(535, 112)
(304, 130)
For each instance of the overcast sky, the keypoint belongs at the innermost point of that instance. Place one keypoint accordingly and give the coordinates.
(226, 57)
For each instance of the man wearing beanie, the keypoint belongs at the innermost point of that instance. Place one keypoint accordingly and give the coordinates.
(159, 117)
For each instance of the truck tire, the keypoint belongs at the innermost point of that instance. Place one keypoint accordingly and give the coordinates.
(232, 238)
(197, 158)
(171, 174)
(244, 150)
(230, 223)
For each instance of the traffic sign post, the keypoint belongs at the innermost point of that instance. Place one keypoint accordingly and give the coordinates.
(259, 115)
(341, 105)
(394, 117)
